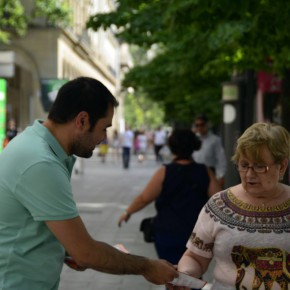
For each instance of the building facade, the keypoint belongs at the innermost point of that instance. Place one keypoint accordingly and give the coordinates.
(48, 56)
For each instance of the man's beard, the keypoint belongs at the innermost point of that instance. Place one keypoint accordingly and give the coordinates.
(80, 149)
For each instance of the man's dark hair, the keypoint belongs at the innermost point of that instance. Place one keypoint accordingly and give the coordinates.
(182, 143)
(82, 94)
(202, 117)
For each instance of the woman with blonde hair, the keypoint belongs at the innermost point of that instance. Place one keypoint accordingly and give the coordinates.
(246, 228)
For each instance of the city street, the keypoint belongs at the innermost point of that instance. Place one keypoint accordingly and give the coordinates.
(102, 192)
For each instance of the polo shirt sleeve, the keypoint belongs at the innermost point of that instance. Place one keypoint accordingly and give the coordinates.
(44, 189)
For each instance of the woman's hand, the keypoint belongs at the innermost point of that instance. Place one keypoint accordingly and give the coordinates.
(124, 218)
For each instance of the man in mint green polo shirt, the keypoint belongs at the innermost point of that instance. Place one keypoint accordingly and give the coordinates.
(39, 220)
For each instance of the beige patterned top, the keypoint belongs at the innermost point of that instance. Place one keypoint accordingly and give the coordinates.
(251, 244)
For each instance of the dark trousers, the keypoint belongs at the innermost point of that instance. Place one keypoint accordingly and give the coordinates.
(126, 156)
(158, 156)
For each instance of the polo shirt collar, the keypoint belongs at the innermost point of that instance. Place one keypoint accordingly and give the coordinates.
(42, 131)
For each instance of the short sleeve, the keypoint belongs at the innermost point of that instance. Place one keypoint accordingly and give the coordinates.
(201, 240)
(45, 191)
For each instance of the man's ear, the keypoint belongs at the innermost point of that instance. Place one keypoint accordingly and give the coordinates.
(82, 120)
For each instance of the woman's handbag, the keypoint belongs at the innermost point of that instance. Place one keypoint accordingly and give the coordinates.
(147, 227)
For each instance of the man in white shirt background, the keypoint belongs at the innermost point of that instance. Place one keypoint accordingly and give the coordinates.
(212, 153)
(159, 142)
(127, 143)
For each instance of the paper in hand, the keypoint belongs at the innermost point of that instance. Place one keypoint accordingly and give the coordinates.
(121, 248)
(188, 281)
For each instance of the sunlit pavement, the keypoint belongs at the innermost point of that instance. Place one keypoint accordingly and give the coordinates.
(102, 192)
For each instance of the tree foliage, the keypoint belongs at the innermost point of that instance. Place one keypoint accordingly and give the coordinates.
(14, 21)
(142, 113)
(55, 13)
(197, 45)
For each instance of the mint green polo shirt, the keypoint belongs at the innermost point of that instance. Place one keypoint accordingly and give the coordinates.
(35, 187)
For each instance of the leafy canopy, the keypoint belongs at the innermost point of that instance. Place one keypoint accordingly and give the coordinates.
(55, 13)
(197, 45)
(14, 21)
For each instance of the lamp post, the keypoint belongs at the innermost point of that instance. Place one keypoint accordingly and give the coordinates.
(231, 126)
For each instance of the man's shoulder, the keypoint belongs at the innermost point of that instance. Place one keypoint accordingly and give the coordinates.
(214, 137)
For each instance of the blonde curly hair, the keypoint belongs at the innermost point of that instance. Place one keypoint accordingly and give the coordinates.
(275, 137)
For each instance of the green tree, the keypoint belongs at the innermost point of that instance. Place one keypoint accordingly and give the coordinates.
(141, 112)
(198, 44)
(14, 21)
(54, 12)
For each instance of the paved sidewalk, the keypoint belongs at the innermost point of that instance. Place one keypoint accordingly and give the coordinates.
(102, 192)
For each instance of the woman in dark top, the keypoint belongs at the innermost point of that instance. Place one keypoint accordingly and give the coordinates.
(180, 190)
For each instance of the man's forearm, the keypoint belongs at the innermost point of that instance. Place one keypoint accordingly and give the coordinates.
(107, 259)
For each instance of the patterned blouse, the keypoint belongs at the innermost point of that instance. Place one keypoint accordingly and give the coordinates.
(250, 244)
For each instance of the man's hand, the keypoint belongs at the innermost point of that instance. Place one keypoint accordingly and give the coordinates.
(160, 272)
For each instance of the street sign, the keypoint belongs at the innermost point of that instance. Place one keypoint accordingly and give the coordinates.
(230, 92)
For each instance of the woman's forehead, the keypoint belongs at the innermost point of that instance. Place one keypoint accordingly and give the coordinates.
(259, 154)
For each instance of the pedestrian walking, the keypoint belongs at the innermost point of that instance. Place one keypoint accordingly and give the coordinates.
(103, 150)
(115, 144)
(159, 142)
(11, 132)
(180, 190)
(127, 144)
(211, 153)
(40, 224)
(143, 143)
